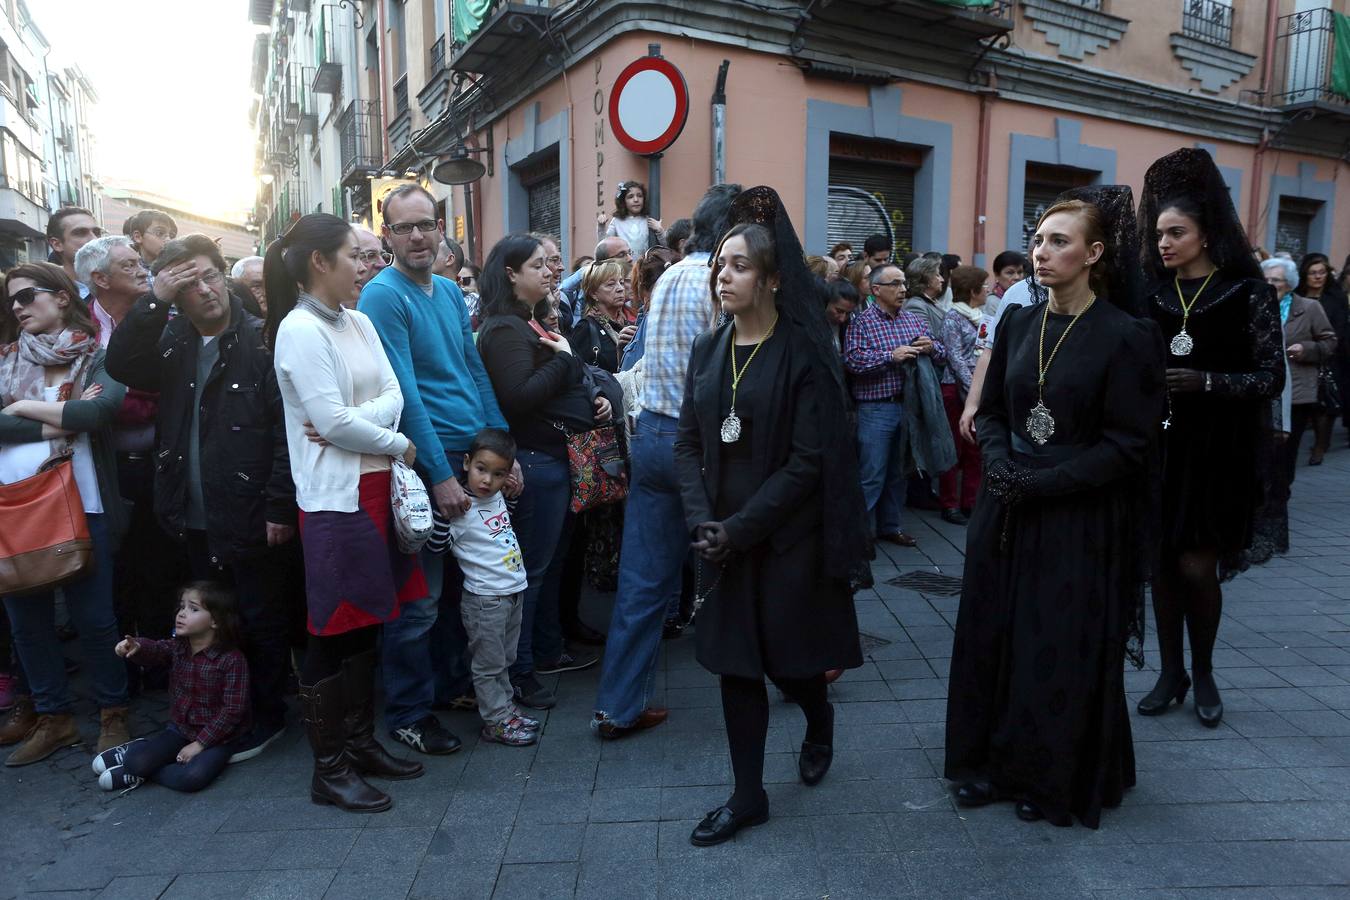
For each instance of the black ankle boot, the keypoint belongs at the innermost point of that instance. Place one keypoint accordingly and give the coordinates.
(1169, 688)
(1208, 704)
(815, 758)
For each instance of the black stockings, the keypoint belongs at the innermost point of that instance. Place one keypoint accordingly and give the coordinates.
(1186, 592)
(745, 707)
(324, 653)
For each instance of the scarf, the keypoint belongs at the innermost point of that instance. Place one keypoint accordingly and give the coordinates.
(1286, 304)
(23, 375)
(971, 314)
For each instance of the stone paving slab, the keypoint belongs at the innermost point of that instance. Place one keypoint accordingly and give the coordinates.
(1257, 808)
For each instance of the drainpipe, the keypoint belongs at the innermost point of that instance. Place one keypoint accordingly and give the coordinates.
(982, 170)
(1267, 91)
(719, 125)
(381, 43)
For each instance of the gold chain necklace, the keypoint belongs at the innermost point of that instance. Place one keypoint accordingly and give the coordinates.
(1183, 343)
(731, 425)
(1040, 424)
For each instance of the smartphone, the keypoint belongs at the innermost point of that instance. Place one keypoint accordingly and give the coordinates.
(542, 332)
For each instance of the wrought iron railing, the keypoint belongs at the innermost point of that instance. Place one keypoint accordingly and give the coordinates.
(437, 57)
(1305, 60)
(1208, 20)
(360, 136)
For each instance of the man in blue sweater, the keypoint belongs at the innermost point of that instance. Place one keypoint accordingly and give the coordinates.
(447, 400)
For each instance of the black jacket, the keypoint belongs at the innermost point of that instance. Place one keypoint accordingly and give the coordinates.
(245, 467)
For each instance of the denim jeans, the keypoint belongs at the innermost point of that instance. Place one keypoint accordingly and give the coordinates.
(90, 604)
(156, 758)
(538, 522)
(655, 545)
(881, 427)
(425, 654)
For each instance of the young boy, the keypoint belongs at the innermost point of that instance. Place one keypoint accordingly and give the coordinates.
(494, 586)
(150, 230)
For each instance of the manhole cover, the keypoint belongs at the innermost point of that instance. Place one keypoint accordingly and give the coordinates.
(870, 642)
(928, 583)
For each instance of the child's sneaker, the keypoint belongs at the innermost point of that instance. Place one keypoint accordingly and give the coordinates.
(526, 722)
(512, 732)
(114, 756)
(118, 778)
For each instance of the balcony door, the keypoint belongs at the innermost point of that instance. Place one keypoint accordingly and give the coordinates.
(1309, 50)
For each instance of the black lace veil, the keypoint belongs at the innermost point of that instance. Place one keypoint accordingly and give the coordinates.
(848, 546)
(1190, 175)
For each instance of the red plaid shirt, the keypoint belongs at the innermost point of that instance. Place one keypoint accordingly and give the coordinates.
(871, 338)
(210, 689)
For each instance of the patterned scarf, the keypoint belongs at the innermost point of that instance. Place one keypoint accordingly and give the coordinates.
(23, 374)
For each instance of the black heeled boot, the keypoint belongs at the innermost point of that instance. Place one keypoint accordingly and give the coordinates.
(366, 754)
(1168, 688)
(1208, 704)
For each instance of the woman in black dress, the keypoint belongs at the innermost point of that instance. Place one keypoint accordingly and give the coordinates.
(1222, 324)
(772, 496)
(1057, 547)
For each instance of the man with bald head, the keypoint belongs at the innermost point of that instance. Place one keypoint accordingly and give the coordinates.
(372, 253)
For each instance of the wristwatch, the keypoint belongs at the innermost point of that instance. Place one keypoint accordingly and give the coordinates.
(1209, 382)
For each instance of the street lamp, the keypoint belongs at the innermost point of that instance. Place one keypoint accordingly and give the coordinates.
(456, 167)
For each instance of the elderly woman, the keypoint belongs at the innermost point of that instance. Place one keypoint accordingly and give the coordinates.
(604, 331)
(56, 397)
(1315, 282)
(1309, 341)
(925, 285)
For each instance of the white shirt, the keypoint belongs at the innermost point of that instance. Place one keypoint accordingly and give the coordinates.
(485, 545)
(1017, 295)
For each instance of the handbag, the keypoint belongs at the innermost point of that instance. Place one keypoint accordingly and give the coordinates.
(44, 535)
(596, 462)
(411, 505)
(1328, 390)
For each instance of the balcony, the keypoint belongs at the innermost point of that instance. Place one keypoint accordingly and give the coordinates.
(1312, 73)
(260, 12)
(1204, 46)
(977, 18)
(1209, 21)
(508, 33)
(328, 72)
(309, 113)
(400, 127)
(359, 141)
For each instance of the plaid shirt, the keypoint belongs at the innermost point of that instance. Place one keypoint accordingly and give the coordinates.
(210, 689)
(871, 338)
(681, 309)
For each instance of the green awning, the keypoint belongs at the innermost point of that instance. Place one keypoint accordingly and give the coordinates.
(1340, 59)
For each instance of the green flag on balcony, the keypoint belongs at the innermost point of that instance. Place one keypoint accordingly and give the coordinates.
(1340, 60)
(469, 16)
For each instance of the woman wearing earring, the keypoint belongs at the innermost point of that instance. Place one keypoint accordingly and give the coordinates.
(1057, 547)
(773, 499)
(1224, 367)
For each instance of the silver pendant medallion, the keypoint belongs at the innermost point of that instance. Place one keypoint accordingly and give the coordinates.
(1040, 424)
(731, 428)
(1182, 344)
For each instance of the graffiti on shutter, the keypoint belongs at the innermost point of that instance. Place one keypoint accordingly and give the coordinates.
(1293, 228)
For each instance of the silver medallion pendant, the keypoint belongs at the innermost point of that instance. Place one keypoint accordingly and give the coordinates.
(1182, 344)
(731, 428)
(1040, 424)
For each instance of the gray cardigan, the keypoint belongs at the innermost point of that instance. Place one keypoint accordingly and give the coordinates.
(96, 417)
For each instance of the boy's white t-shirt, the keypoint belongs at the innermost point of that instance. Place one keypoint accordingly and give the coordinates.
(485, 545)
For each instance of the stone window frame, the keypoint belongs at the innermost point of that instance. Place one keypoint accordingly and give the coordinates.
(1306, 186)
(880, 119)
(535, 141)
(1066, 148)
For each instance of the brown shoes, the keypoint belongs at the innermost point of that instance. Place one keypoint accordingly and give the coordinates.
(900, 538)
(20, 722)
(51, 733)
(112, 728)
(649, 718)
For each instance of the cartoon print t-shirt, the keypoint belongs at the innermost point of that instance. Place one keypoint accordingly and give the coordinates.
(486, 547)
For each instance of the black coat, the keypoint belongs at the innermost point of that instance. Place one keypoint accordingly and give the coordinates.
(774, 611)
(245, 467)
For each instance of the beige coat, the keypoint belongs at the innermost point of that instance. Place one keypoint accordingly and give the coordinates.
(1308, 325)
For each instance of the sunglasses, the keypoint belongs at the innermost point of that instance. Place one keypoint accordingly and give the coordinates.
(467, 279)
(26, 296)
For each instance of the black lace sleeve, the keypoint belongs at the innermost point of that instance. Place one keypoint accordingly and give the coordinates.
(1267, 341)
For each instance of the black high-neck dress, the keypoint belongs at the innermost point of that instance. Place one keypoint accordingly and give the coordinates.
(1053, 587)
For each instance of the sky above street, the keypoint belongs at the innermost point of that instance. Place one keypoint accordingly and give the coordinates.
(172, 78)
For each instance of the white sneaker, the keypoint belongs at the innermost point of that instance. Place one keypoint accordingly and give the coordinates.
(118, 778)
(113, 756)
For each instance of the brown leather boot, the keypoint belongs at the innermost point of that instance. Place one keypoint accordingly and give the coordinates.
(112, 728)
(51, 733)
(323, 706)
(20, 721)
(364, 752)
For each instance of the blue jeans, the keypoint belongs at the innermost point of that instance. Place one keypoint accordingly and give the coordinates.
(881, 427)
(655, 544)
(156, 758)
(538, 523)
(425, 654)
(32, 618)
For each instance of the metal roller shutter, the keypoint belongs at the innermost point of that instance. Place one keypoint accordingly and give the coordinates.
(1293, 228)
(1043, 184)
(543, 184)
(870, 197)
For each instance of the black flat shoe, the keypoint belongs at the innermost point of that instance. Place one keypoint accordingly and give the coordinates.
(1029, 812)
(722, 824)
(954, 517)
(1208, 705)
(814, 761)
(976, 793)
(1159, 700)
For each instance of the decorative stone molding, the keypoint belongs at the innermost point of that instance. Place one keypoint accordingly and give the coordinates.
(1077, 29)
(1213, 65)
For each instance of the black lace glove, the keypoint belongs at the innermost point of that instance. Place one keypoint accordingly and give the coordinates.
(1012, 482)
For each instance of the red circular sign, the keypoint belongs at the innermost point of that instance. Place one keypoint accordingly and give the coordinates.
(648, 105)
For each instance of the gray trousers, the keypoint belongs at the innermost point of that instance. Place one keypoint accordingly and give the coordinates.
(493, 626)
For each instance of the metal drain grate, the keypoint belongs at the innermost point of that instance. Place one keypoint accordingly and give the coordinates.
(928, 583)
(870, 642)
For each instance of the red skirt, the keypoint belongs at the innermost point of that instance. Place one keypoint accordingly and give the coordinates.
(355, 575)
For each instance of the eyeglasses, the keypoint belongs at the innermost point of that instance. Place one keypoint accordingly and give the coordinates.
(26, 296)
(369, 256)
(426, 226)
(553, 260)
(467, 279)
(161, 233)
(211, 277)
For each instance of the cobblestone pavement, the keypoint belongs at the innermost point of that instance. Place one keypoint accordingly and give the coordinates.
(1259, 807)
